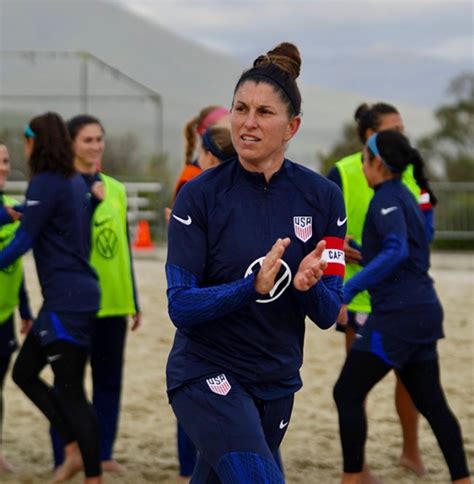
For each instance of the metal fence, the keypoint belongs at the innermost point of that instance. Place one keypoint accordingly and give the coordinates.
(454, 214)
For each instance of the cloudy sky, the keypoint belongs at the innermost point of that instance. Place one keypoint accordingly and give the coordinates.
(411, 48)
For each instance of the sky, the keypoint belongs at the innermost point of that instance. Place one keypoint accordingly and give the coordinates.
(411, 49)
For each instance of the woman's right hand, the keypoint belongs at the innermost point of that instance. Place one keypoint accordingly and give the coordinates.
(265, 279)
(98, 190)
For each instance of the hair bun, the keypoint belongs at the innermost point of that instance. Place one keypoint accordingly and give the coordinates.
(285, 55)
(362, 110)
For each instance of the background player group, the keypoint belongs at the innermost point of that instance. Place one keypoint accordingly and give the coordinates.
(239, 288)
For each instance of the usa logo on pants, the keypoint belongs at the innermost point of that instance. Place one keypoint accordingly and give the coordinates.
(219, 384)
(303, 227)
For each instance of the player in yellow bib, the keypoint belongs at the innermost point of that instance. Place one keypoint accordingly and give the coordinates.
(112, 260)
(12, 288)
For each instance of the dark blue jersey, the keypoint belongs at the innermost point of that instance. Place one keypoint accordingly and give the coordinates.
(424, 202)
(396, 257)
(56, 224)
(223, 224)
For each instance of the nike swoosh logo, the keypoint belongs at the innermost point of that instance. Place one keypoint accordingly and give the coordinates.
(341, 222)
(102, 222)
(386, 211)
(32, 203)
(283, 424)
(185, 221)
(53, 358)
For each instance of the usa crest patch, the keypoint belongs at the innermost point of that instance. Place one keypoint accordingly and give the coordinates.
(303, 226)
(219, 384)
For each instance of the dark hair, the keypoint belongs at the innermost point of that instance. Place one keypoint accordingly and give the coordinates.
(369, 117)
(52, 149)
(218, 141)
(279, 68)
(397, 153)
(75, 124)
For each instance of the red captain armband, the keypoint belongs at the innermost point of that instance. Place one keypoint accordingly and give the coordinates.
(334, 255)
(425, 201)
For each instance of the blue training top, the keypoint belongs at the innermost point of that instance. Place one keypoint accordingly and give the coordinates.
(56, 224)
(223, 224)
(396, 256)
(427, 208)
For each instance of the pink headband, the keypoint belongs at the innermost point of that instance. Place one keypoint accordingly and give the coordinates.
(211, 119)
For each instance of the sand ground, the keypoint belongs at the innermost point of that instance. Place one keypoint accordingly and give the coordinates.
(311, 451)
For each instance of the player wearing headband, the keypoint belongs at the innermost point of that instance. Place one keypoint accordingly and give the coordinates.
(56, 225)
(348, 175)
(255, 246)
(406, 319)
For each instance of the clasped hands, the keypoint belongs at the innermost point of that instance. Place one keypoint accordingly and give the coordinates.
(309, 272)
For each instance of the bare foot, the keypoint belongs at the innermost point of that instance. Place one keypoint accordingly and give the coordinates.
(351, 478)
(414, 465)
(113, 466)
(368, 478)
(5, 466)
(72, 463)
(93, 480)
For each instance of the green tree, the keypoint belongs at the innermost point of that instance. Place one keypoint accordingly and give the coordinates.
(452, 143)
(348, 144)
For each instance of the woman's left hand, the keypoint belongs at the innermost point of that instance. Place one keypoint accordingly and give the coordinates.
(26, 325)
(136, 321)
(311, 268)
(14, 215)
(342, 319)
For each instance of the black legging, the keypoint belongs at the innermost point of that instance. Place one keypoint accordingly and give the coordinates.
(361, 371)
(66, 407)
(4, 364)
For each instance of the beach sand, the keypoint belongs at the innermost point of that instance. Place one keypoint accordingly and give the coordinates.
(311, 450)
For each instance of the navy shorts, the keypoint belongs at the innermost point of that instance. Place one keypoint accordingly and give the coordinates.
(76, 328)
(221, 417)
(8, 342)
(355, 320)
(395, 352)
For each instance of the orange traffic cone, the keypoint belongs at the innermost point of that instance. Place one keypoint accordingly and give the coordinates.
(143, 237)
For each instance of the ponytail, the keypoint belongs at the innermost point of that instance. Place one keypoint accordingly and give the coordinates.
(191, 139)
(420, 176)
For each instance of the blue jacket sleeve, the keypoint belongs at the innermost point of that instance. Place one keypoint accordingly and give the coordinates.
(189, 304)
(25, 311)
(323, 301)
(394, 252)
(21, 243)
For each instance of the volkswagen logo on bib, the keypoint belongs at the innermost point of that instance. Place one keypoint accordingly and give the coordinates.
(282, 280)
